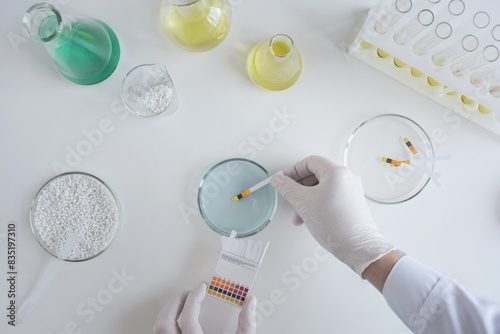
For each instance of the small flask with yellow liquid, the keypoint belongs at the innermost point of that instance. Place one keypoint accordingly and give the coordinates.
(275, 64)
(195, 25)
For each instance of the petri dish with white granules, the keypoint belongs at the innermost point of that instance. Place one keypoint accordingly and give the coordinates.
(75, 202)
(148, 91)
(383, 136)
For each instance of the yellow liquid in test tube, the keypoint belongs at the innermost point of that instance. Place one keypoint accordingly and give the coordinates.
(433, 82)
(365, 45)
(382, 54)
(450, 93)
(483, 109)
(399, 63)
(199, 26)
(467, 100)
(415, 72)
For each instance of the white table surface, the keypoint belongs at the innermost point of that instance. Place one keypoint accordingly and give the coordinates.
(154, 165)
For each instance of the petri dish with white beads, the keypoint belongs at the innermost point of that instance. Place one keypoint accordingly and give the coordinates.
(75, 202)
(227, 179)
(382, 136)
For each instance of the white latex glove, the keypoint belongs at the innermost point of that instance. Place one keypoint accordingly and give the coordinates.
(186, 308)
(329, 199)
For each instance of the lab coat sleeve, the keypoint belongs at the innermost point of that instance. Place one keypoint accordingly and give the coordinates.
(428, 302)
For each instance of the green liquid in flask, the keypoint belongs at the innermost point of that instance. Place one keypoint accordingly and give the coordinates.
(87, 53)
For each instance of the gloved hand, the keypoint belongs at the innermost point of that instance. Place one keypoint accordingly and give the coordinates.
(329, 199)
(186, 308)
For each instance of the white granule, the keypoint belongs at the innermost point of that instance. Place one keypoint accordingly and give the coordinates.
(76, 203)
(158, 98)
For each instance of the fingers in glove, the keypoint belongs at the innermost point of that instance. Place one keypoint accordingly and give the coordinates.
(297, 220)
(246, 320)
(166, 322)
(309, 181)
(191, 312)
(292, 191)
(312, 165)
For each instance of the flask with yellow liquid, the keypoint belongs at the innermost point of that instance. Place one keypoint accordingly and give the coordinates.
(195, 25)
(275, 64)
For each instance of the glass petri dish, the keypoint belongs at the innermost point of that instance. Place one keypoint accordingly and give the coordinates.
(148, 91)
(52, 233)
(227, 179)
(382, 136)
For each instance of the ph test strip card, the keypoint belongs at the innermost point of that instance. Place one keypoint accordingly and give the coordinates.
(236, 269)
(228, 290)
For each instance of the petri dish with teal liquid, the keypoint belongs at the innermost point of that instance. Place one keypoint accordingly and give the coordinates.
(246, 216)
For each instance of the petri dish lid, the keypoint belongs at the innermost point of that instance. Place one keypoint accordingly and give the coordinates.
(382, 136)
(227, 179)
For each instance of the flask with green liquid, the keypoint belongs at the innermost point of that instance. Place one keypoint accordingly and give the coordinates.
(195, 25)
(84, 50)
(275, 64)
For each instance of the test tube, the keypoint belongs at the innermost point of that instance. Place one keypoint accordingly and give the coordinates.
(494, 88)
(424, 19)
(399, 63)
(456, 7)
(481, 20)
(415, 72)
(495, 82)
(366, 45)
(469, 44)
(495, 32)
(472, 62)
(483, 76)
(382, 54)
(483, 109)
(467, 100)
(387, 17)
(442, 32)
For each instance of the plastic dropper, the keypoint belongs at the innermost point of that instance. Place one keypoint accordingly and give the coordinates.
(30, 303)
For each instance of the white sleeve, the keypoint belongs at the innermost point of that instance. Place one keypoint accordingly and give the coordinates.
(428, 302)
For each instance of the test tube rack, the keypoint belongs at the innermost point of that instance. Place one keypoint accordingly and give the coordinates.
(377, 46)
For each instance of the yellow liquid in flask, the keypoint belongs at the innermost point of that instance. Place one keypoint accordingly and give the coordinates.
(200, 26)
(281, 49)
(276, 64)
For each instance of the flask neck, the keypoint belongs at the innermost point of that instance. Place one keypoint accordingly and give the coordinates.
(181, 3)
(281, 47)
(43, 23)
(190, 8)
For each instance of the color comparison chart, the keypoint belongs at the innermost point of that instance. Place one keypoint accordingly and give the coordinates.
(228, 290)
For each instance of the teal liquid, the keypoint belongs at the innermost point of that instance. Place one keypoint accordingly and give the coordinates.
(88, 55)
(246, 216)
